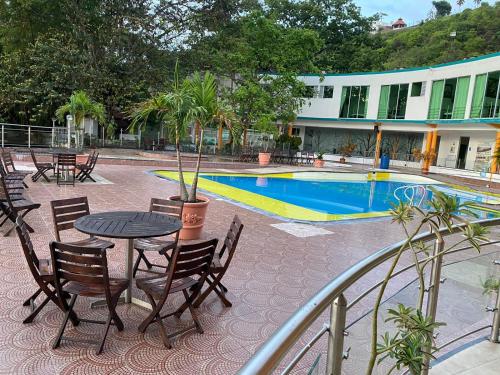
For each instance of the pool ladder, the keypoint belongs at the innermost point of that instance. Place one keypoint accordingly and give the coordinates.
(414, 194)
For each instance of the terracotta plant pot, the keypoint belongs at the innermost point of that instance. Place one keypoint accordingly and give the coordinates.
(193, 218)
(319, 163)
(264, 158)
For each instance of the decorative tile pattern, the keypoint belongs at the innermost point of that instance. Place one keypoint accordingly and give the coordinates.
(273, 273)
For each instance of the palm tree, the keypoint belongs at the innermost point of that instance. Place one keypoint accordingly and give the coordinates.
(210, 112)
(175, 110)
(80, 105)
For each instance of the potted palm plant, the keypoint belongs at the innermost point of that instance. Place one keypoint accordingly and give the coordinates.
(80, 105)
(269, 130)
(192, 101)
(319, 162)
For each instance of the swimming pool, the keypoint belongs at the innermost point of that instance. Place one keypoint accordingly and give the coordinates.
(317, 196)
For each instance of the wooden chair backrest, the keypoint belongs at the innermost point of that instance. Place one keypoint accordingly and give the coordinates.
(3, 172)
(192, 259)
(90, 159)
(5, 197)
(231, 240)
(167, 206)
(66, 159)
(84, 265)
(33, 157)
(93, 161)
(66, 211)
(27, 246)
(8, 162)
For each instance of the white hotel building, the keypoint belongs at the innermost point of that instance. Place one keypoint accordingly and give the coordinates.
(449, 110)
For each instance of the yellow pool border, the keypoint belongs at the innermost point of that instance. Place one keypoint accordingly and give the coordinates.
(281, 208)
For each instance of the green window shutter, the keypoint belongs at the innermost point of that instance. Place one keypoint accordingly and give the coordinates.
(383, 103)
(478, 96)
(460, 97)
(343, 102)
(436, 99)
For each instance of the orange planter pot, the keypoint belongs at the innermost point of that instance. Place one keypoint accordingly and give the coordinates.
(319, 163)
(193, 218)
(264, 158)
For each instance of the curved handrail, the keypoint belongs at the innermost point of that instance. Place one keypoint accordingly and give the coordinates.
(270, 354)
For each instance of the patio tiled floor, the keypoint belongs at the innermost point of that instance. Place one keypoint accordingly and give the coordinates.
(272, 274)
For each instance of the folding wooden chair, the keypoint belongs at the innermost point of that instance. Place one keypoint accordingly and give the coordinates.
(87, 164)
(64, 214)
(12, 208)
(162, 246)
(219, 266)
(10, 166)
(83, 271)
(41, 168)
(188, 262)
(86, 170)
(41, 270)
(66, 163)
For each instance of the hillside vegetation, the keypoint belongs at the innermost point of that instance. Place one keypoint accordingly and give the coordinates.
(477, 33)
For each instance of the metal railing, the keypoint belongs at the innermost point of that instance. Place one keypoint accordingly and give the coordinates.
(270, 355)
(18, 135)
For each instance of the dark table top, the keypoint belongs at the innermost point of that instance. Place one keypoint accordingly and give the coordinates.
(128, 224)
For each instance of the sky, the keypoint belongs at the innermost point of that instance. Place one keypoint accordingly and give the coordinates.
(412, 11)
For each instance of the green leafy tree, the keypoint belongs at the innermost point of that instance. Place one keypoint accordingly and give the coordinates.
(443, 8)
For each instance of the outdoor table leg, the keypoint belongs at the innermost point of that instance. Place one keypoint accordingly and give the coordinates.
(129, 262)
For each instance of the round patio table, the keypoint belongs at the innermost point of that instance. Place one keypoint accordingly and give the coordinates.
(128, 225)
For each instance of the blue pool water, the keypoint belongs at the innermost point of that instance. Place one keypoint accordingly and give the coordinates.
(326, 196)
(332, 197)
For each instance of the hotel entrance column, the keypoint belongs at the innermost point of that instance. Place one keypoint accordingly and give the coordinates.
(494, 164)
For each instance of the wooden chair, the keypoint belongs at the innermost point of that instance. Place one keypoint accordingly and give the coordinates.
(41, 168)
(41, 270)
(14, 184)
(66, 163)
(220, 264)
(86, 170)
(11, 178)
(83, 271)
(87, 162)
(64, 214)
(188, 262)
(12, 208)
(10, 166)
(162, 246)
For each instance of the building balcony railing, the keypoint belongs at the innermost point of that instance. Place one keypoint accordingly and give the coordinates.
(455, 294)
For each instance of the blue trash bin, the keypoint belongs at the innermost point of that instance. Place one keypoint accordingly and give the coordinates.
(384, 161)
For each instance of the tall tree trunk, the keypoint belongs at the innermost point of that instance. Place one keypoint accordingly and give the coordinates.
(194, 186)
(182, 185)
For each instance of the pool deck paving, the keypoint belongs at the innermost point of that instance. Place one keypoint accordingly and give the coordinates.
(273, 273)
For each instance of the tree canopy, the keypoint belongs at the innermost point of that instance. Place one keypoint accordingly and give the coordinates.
(120, 52)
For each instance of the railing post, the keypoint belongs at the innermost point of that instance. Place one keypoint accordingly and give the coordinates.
(53, 136)
(432, 299)
(3, 135)
(495, 327)
(335, 352)
(29, 136)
